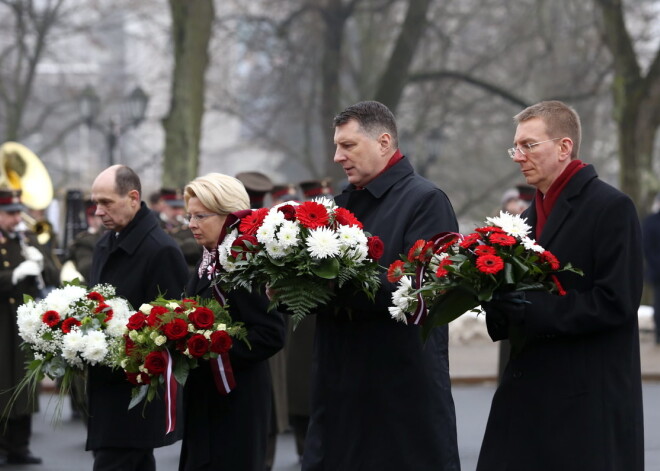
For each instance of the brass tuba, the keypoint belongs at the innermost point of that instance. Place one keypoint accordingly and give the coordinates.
(21, 169)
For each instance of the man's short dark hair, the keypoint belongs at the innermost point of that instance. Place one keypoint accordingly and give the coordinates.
(127, 180)
(373, 117)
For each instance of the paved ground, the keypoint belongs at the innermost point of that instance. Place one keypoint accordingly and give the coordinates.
(473, 365)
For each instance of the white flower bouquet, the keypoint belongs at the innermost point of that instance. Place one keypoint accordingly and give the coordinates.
(302, 251)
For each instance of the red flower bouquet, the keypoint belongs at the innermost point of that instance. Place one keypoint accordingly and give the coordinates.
(167, 338)
(444, 277)
(300, 250)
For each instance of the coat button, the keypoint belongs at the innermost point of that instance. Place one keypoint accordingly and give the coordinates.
(3, 251)
(517, 374)
(12, 300)
(5, 263)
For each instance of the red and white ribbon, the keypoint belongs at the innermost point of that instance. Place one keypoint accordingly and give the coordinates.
(171, 387)
(223, 375)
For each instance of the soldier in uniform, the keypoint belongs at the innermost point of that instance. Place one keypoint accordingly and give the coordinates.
(172, 218)
(82, 247)
(25, 269)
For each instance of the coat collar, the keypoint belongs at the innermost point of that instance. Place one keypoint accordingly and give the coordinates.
(564, 205)
(130, 238)
(383, 182)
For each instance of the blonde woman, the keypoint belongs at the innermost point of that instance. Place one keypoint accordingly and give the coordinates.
(228, 431)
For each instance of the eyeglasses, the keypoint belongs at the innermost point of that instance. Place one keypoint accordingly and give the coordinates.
(201, 217)
(530, 147)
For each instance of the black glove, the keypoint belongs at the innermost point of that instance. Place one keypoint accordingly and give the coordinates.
(505, 314)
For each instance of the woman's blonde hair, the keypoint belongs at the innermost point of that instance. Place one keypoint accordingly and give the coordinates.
(219, 193)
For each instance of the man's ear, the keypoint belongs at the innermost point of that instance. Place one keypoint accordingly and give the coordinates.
(566, 148)
(385, 142)
(134, 195)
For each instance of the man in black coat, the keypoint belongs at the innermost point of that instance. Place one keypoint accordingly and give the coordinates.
(571, 395)
(381, 399)
(651, 237)
(141, 261)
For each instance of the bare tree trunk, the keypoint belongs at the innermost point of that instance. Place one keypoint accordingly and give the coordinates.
(636, 106)
(395, 77)
(192, 22)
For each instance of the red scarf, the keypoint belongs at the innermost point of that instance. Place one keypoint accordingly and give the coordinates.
(544, 204)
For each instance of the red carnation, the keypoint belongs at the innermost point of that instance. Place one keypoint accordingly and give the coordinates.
(375, 248)
(470, 240)
(485, 250)
(490, 264)
(198, 345)
(343, 217)
(242, 244)
(108, 315)
(312, 215)
(251, 223)
(489, 229)
(550, 259)
(155, 315)
(396, 271)
(101, 307)
(202, 317)
(175, 329)
(500, 238)
(289, 212)
(442, 271)
(136, 321)
(220, 341)
(95, 296)
(69, 323)
(155, 363)
(416, 250)
(51, 318)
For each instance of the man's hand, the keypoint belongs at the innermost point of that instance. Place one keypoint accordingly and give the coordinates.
(33, 254)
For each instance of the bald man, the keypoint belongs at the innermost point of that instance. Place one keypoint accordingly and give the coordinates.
(137, 257)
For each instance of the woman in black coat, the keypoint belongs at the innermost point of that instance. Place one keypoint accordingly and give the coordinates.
(228, 431)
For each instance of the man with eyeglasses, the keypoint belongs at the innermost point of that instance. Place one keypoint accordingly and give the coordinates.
(570, 397)
(137, 257)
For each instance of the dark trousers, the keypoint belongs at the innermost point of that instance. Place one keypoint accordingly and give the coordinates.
(15, 438)
(299, 424)
(656, 311)
(124, 459)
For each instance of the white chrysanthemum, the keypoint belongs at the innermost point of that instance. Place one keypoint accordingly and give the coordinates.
(289, 234)
(351, 236)
(266, 233)
(357, 254)
(436, 258)
(512, 224)
(61, 299)
(95, 348)
(72, 343)
(29, 321)
(273, 218)
(120, 315)
(322, 243)
(329, 203)
(275, 249)
(530, 244)
(402, 299)
(224, 251)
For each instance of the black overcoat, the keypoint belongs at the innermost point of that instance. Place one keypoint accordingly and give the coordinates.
(381, 400)
(231, 431)
(572, 400)
(143, 263)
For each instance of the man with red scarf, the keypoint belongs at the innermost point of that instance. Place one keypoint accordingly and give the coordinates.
(570, 397)
(381, 398)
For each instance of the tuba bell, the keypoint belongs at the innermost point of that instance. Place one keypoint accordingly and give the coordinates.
(21, 169)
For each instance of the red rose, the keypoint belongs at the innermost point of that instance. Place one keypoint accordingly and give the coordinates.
(155, 363)
(94, 296)
(344, 217)
(244, 243)
(251, 223)
(220, 341)
(133, 378)
(202, 318)
(289, 212)
(198, 345)
(155, 315)
(136, 321)
(375, 247)
(490, 264)
(312, 215)
(395, 271)
(51, 318)
(176, 329)
(69, 323)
